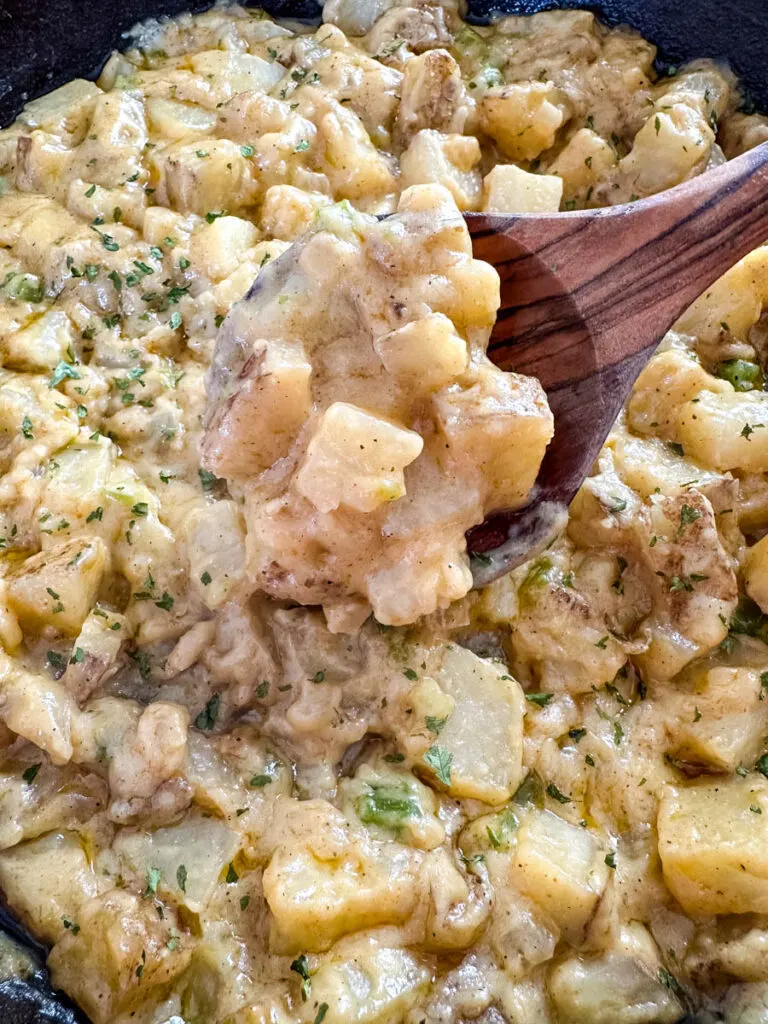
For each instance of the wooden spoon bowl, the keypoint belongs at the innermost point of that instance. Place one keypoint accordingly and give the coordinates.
(585, 299)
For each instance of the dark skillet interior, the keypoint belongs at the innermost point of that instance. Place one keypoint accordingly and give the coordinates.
(47, 42)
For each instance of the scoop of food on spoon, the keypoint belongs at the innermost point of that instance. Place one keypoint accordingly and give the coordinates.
(585, 298)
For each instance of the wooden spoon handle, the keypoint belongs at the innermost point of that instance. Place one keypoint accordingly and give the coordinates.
(586, 296)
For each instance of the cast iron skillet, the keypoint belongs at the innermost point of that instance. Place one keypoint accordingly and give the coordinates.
(47, 42)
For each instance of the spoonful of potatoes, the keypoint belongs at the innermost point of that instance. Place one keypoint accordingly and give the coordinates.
(383, 400)
(585, 299)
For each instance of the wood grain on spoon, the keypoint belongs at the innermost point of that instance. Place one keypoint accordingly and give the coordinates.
(585, 298)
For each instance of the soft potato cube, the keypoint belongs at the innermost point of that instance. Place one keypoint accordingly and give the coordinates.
(562, 868)
(79, 484)
(177, 120)
(112, 150)
(58, 587)
(376, 986)
(210, 180)
(582, 162)
(447, 160)
(41, 346)
(726, 431)
(484, 732)
(39, 709)
(714, 846)
(215, 537)
(217, 249)
(99, 642)
(428, 352)
(735, 299)
(356, 459)
(31, 878)
(669, 380)
(258, 424)
(510, 189)
(756, 573)
(120, 954)
(287, 211)
(612, 989)
(502, 424)
(668, 148)
(522, 118)
(203, 846)
(351, 162)
(724, 722)
(63, 109)
(238, 72)
(317, 896)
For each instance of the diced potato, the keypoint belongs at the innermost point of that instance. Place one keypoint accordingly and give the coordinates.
(215, 537)
(510, 189)
(723, 723)
(351, 162)
(376, 986)
(58, 587)
(61, 110)
(356, 458)
(735, 299)
(484, 732)
(177, 120)
(287, 211)
(39, 709)
(120, 954)
(217, 249)
(238, 72)
(194, 852)
(562, 868)
(111, 152)
(447, 160)
(522, 118)
(428, 352)
(259, 423)
(746, 1004)
(41, 346)
(649, 466)
(714, 846)
(756, 573)
(94, 655)
(670, 146)
(583, 162)
(669, 380)
(316, 895)
(503, 425)
(79, 484)
(211, 180)
(612, 989)
(31, 879)
(726, 431)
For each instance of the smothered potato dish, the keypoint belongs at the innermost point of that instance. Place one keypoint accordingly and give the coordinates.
(267, 758)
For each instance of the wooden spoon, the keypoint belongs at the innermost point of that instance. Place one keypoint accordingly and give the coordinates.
(585, 298)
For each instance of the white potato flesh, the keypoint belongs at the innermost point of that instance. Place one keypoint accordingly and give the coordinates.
(261, 420)
(58, 587)
(612, 989)
(316, 899)
(376, 986)
(356, 458)
(726, 431)
(239, 72)
(176, 120)
(41, 346)
(725, 722)
(522, 118)
(756, 573)
(195, 851)
(429, 350)
(39, 709)
(30, 877)
(65, 104)
(484, 732)
(714, 847)
(562, 868)
(215, 537)
(448, 160)
(219, 248)
(510, 189)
